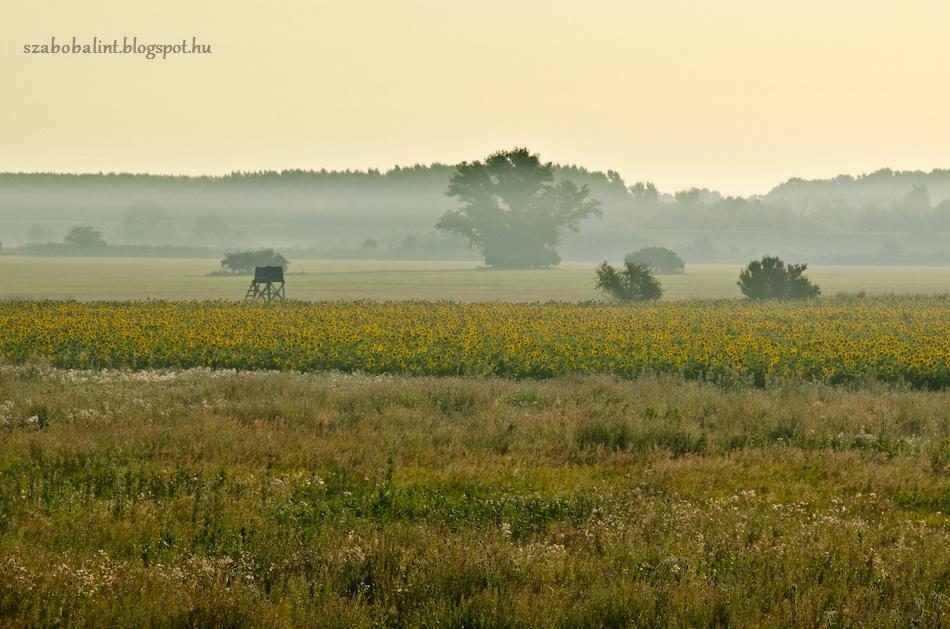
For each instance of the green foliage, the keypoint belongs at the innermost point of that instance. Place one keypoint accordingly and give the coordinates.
(644, 193)
(660, 260)
(688, 198)
(513, 211)
(632, 283)
(620, 434)
(244, 262)
(770, 278)
(84, 236)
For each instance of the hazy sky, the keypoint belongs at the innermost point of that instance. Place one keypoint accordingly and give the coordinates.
(734, 95)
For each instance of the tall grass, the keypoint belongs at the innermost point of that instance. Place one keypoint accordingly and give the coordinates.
(200, 498)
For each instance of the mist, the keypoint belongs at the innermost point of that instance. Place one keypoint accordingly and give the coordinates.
(881, 218)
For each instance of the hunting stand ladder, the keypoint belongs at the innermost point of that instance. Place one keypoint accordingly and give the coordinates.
(267, 285)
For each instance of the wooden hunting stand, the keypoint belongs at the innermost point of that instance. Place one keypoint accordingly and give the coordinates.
(267, 285)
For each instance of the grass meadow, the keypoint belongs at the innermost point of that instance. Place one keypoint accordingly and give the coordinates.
(197, 497)
(88, 279)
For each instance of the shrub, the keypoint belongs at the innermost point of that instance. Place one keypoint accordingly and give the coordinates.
(84, 236)
(244, 262)
(770, 278)
(633, 283)
(660, 260)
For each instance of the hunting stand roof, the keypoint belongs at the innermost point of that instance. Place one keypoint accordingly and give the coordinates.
(267, 285)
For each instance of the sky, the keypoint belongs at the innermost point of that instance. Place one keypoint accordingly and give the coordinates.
(734, 95)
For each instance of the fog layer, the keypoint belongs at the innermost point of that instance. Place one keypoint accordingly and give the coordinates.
(884, 217)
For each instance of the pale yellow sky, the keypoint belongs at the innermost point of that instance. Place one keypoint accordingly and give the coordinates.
(734, 95)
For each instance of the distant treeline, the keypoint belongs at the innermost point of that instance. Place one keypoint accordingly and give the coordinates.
(391, 214)
(58, 249)
(330, 211)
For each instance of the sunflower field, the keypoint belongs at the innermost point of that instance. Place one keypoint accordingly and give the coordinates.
(835, 340)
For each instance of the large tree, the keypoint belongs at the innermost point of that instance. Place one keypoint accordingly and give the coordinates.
(512, 210)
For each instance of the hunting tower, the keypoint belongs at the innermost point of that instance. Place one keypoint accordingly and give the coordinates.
(267, 285)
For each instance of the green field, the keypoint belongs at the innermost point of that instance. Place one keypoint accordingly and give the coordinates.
(231, 498)
(250, 499)
(89, 279)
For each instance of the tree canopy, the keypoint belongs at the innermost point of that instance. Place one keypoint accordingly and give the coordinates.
(660, 259)
(244, 262)
(770, 278)
(84, 236)
(644, 192)
(632, 283)
(513, 211)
